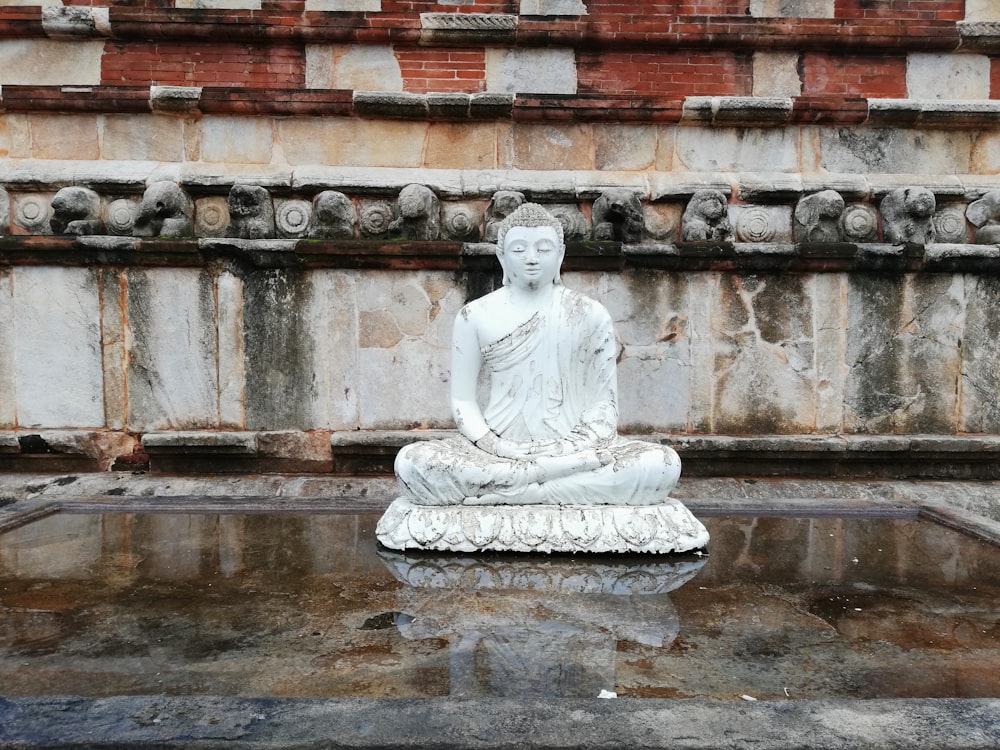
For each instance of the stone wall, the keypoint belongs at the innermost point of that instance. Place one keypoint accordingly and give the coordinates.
(873, 321)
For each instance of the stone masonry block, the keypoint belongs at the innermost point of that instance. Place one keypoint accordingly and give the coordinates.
(143, 137)
(947, 76)
(982, 10)
(531, 71)
(57, 347)
(173, 369)
(240, 140)
(219, 4)
(553, 8)
(350, 6)
(49, 62)
(353, 67)
(776, 74)
(792, 8)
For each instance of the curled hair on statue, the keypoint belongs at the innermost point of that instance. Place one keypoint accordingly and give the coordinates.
(528, 215)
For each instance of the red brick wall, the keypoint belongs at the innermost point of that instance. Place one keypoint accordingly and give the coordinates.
(668, 75)
(193, 64)
(995, 78)
(667, 10)
(877, 77)
(929, 10)
(443, 70)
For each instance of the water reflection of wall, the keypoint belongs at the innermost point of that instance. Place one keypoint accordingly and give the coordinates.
(188, 546)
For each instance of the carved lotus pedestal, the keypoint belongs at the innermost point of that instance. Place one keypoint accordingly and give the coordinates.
(662, 528)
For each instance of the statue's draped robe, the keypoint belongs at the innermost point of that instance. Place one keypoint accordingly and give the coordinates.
(552, 377)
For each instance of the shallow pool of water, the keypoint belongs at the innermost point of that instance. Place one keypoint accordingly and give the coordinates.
(307, 605)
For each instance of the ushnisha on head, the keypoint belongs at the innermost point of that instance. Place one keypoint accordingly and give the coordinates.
(528, 216)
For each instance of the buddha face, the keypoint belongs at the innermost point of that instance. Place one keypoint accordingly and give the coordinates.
(531, 256)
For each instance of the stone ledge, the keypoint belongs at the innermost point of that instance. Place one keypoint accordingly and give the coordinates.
(444, 255)
(869, 456)
(237, 451)
(54, 450)
(927, 112)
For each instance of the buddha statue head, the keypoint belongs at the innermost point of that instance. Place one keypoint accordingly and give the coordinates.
(530, 246)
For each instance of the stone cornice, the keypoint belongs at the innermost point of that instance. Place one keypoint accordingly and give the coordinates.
(722, 111)
(626, 31)
(459, 257)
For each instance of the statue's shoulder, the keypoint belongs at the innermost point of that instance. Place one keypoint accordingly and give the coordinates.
(590, 307)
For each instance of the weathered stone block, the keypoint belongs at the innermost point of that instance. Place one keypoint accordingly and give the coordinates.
(888, 151)
(353, 6)
(57, 136)
(461, 146)
(982, 10)
(530, 71)
(405, 338)
(114, 352)
(792, 8)
(947, 76)
(8, 390)
(624, 146)
(980, 387)
(240, 140)
(49, 62)
(737, 149)
(57, 353)
(220, 4)
(764, 369)
(542, 146)
(553, 8)
(173, 376)
(776, 74)
(354, 67)
(652, 323)
(352, 142)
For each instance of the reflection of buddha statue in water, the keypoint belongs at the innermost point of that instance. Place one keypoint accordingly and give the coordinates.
(548, 433)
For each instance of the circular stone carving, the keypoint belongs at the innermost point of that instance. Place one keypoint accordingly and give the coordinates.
(121, 216)
(860, 223)
(32, 213)
(292, 218)
(211, 217)
(754, 225)
(950, 225)
(375, 217)
(461, 223)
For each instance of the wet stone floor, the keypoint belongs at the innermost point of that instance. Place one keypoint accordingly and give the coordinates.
(308, 605)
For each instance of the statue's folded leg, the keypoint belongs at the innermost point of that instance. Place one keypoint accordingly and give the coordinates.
(446, 472)
(640, 474)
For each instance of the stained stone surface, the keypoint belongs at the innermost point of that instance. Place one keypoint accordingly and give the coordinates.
(173, 375)
(56, 352)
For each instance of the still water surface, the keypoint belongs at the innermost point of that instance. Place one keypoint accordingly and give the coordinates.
(308, 605)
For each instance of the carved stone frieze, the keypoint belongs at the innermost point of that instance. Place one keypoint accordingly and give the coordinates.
(907, 216)
(860, 223)
(461, 222)
(211, 216)
(76, 210)
(375, 218)
(706, 217)
(817, 217)
(291, 218)
(664, 528)
(333, 217)
(950, 225)
(251, 213)
(165, 211)
(32, 213)
(417, 214)
(501, 205)
(984, 214)
(617, 215)
(120, 216)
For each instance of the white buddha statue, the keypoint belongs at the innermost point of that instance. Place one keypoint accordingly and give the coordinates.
(548, 434)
